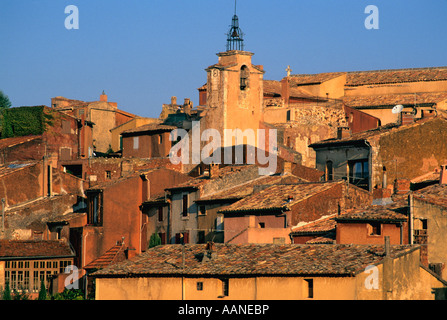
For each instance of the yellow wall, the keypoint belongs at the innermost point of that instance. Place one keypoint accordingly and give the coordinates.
(134, 123)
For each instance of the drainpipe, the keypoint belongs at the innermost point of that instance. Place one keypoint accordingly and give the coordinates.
(410, 219)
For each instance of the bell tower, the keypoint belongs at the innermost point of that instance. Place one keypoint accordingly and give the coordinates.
(234, 89)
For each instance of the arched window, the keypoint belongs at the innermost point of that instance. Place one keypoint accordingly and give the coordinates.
(245, 73)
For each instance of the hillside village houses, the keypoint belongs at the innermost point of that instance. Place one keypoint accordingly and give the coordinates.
(358, 183)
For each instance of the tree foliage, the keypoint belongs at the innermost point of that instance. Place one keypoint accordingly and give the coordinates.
(5, 103)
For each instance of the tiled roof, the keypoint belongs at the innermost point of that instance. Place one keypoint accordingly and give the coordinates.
(246, 189)
(321, 240)
(276, 197)
(394, 99)
(113, 255)
(150, 127)
(435, 194)
(253, 259)
(199, 181)
(34, 249)
(320, 226)
(9, 168)
(306, 79)
(10, 142)
(372, 213)
(365, 135)
(396, 76)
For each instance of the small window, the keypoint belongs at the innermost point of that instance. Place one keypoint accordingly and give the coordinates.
(225, 287)
(202, 210)
(160, 214)
(374, 228)
(310, 288)
(185, 205)
(199, 286)
(136, 142)
(329, 171)
(160, 139)
(244, 77)
(262, 225)
(108, 174)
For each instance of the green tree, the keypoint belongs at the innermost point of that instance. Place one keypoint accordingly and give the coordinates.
(155, 240)
(7, 292)
(5, 103)
(42, 291)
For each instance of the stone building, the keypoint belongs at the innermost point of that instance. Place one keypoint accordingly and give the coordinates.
(270, 272)
(102, 114)
(380, 157)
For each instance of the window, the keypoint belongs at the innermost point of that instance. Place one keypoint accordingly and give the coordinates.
(310, 288)
(244, 77)
(160, 214)
(94, 208)
(185, 205)
(262, 225)
(225, 287)
(329, 171)
(199, 286)
(202, 210)
(359, 173)
(108, 174)
(220, 223)
(136, 142)
(201, 236)
(28, 275)
(160, 139)
(374, 228)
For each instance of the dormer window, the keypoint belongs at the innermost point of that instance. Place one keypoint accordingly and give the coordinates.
(244, 77)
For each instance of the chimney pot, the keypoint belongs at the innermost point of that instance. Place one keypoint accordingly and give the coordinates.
(387, 246)
(443, 175)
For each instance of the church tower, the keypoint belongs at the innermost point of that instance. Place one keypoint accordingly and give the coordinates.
(235, 89)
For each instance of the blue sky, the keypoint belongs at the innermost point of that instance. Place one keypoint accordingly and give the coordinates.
(142, 52)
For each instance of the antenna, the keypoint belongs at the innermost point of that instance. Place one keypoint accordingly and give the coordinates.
(397, 109)
(235, 5)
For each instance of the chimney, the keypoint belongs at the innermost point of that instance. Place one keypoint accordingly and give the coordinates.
(343, 132)
(130, 253)
(401, 186)
(103, 96)
(213, 170)
(287, 167)
(443, 176)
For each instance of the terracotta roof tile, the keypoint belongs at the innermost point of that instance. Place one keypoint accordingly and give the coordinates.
(10, 142)
(306, 79)
(372, 213)
(394, 99)
(150, 127)
(320, 226)
(365, 135)
(246, 189)
(396, 76)
(435, 194)
(113, 255)
(276, 197)
(252, 259)
(34, 249)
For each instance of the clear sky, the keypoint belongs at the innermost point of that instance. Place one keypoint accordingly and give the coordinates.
(142, 52)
